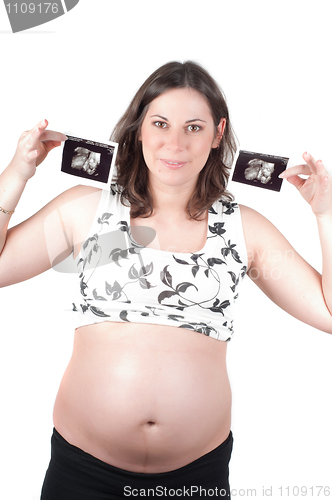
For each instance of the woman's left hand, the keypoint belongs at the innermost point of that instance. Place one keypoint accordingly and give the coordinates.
(316, 189)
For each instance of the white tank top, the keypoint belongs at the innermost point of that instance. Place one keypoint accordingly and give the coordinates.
(121, 280)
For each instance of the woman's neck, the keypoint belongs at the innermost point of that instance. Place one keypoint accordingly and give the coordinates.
(171, 199)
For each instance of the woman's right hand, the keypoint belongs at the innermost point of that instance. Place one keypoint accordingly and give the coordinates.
(33, 147)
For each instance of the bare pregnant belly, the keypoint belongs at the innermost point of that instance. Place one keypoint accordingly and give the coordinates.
(144, 398)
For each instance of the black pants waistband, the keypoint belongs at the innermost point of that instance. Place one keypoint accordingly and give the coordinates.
(76, 475)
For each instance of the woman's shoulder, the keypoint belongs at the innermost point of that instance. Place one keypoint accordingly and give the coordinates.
(89, 196)
(75, 206)
(79, 192)
(252, 220)
(259, 232)
(87, 202)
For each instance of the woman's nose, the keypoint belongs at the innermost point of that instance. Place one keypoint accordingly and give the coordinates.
(176, 140)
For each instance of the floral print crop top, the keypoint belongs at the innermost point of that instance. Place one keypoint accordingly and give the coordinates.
(121, 280)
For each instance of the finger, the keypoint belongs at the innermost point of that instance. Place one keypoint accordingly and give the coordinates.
(321, 170)
(42, 124)
(24, 134)
(310, 162)
(39, 129)
(51, 135)
(32, 155)
(296, 181)
(31, 140)
(297, 170)
(31, 137)
(39, 134)
(52, 144)
(324, 178)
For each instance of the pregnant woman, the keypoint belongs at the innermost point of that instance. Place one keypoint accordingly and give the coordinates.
(145, 402)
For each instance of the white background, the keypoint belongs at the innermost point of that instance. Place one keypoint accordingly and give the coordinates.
(273, 60)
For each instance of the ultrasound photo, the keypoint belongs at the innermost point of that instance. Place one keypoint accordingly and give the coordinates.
(89, 160)
(259, 170)
(85, 160)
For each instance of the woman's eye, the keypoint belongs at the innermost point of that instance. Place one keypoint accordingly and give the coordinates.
(194, 128)
(160, 124)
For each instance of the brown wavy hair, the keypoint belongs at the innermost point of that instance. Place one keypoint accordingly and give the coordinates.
(131, 170)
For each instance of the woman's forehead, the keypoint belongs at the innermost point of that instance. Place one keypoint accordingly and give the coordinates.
(183, 101)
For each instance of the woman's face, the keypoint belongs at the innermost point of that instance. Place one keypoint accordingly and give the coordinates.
(177, 135)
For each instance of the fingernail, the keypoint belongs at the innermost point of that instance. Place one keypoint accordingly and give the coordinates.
(282, 175)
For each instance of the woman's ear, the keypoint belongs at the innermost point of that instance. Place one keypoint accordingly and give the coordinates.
(219, 133)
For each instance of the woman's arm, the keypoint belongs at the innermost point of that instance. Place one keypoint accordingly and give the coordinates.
(33, 147)
(31, 247)
(281, 273)
(325, 235)
(316, 189)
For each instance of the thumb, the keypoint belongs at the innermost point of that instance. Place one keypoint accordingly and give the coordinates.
(51, 145)
(296, 181)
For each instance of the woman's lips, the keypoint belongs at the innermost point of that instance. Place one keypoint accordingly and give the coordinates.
(173, 164)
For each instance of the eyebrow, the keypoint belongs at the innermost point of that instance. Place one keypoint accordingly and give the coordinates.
(188, 121)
